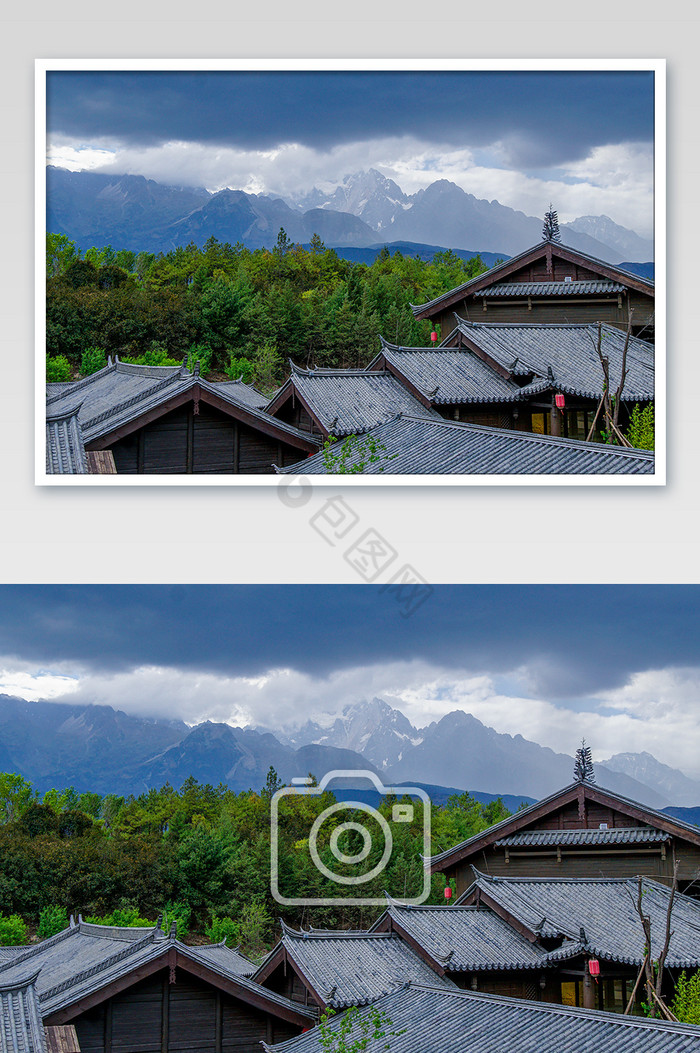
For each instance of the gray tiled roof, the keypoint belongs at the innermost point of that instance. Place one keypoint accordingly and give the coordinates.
(241, 392)
(416, 446)
(507, 264)
(566, 355)
(466, 938)
(65, 445)
(605, 909)
(227, 958)
(660, 819)
(357, 968)
(448, 375)
(550, 288)
(350, 402)
(427, 1020)
(122, 392)
(21, 1029)
(630, 835)
(85, 958)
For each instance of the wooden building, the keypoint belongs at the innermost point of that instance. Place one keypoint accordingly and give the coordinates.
(581, 831)
(549, 283)
(341, 402)
(142, 990)
(167, 420)
(328, 969)
(592, 933)
(546, 379)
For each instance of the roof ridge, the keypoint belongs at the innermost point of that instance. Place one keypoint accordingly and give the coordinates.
(30, 952)
(125, 952)
(139, 397)
(77, 385)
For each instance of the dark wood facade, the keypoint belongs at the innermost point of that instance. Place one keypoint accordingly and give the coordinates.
(176, 1010)
(197, 436)
(544, 263)
(582, 807)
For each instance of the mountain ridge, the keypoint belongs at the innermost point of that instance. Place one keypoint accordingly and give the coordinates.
(132, 212)
(99, 748)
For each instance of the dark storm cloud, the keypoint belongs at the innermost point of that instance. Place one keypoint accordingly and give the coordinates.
(592, 637)
(544, 118)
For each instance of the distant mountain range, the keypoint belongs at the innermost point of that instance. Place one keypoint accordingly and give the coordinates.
(102, 749)
(131, 212)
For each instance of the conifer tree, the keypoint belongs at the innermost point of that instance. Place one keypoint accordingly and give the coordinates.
(550, 230)
(583, 765)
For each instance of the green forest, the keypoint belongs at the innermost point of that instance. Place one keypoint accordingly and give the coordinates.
(199, 855)
(239, 313)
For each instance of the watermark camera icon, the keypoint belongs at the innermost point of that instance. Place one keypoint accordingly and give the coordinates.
(326, 851)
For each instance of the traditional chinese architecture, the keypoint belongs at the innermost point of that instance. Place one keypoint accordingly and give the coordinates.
(21, 1026)
(410, 445)
(592, 932)
(541, 378)
(142, 988)
(166, 420)
(425, 1019)
(337, 969)
(583, 831)
(549, 283)
(340, 402)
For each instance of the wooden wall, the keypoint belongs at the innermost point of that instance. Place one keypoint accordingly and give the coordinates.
(297, 416)
(288, 983)
(189, 1016)
(183, 442)
(559, 309)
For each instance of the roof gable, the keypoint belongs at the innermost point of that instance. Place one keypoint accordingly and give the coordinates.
(596, 914)
(578, 794)
(345, 402)
(343, 969)
(518, 266)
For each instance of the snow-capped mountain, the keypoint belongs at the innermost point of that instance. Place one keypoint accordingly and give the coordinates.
(603, 229)
(369, 195)
(645, 768)
(374, 729)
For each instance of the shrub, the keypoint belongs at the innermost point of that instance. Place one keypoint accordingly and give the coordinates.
(58, 369)
(13, 930)
(180, 914)
(686, 1004)
(156, 355)
(641, 430)
(122, 917)
(200, 353)
(51, 921)
(94, 359)
(224, 929)
(240, 369)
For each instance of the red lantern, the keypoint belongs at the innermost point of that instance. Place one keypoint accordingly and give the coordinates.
(594, 966)
(433, 336)
(559, 399)
(448, 892)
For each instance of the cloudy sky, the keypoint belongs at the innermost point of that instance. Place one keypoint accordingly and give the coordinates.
(618, 665)
(582, 140)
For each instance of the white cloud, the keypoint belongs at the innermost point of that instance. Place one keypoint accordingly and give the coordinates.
(614, 180)
(24, 683)
(655, 711)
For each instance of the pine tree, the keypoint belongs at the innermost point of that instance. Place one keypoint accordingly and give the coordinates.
(550, 230)
(583, 765)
